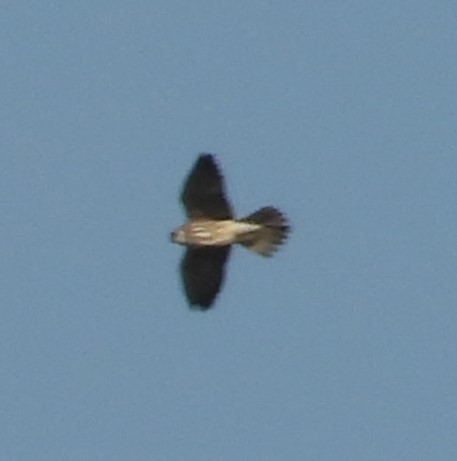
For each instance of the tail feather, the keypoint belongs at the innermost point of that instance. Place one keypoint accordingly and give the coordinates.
(272, 233)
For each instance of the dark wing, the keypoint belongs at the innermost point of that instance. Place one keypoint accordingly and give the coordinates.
(202, 270)
(203, 193)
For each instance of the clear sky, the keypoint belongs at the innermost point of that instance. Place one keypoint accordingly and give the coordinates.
(341, 347)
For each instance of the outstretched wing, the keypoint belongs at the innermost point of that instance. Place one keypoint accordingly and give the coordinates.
(203, 194)
(202, 270)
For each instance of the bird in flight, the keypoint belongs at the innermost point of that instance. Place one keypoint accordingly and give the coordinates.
(211, 230)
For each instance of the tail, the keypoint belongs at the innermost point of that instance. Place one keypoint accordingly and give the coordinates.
(266, 239)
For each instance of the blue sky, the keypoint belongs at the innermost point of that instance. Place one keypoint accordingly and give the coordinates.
(343, 346)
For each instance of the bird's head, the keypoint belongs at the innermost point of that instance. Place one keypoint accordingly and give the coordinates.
(178, 236)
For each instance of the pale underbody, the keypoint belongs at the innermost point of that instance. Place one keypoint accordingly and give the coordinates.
(203, 232)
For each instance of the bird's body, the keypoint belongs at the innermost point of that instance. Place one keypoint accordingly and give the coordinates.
(204, 232)
(211, 230)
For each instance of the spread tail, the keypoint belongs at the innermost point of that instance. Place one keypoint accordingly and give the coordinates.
(273, 231)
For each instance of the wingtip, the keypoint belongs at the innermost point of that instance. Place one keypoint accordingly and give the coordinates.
(206, 156)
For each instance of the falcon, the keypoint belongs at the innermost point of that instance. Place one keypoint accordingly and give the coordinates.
(211, 230)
